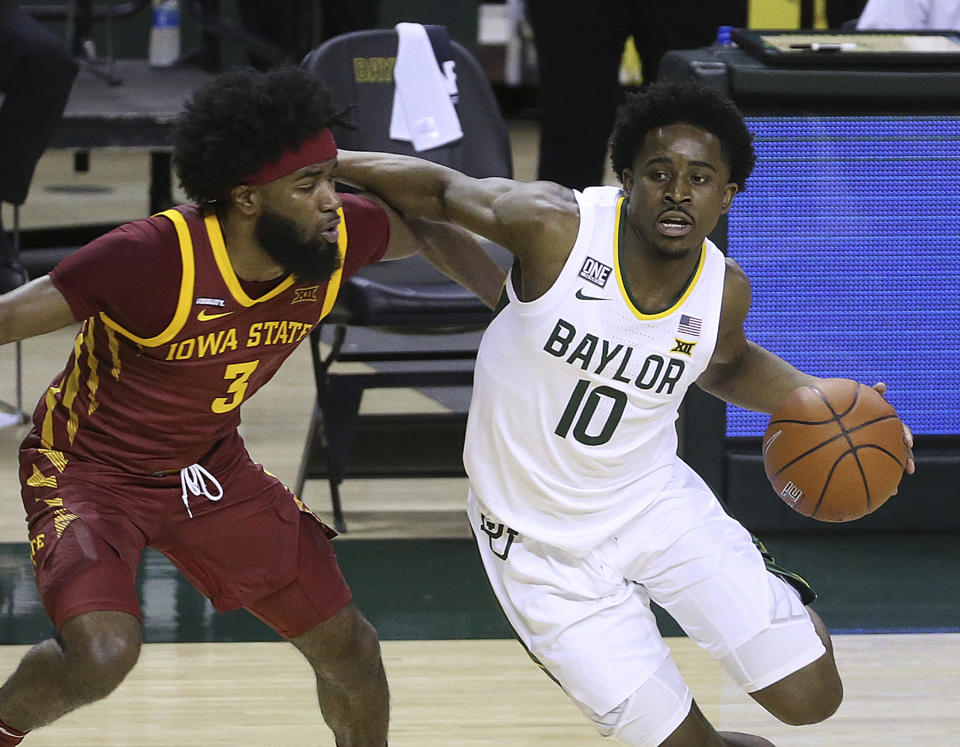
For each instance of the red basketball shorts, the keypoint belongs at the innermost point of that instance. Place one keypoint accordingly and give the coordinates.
(256, 547)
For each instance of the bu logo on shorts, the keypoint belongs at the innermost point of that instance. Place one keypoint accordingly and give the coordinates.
(503, 535)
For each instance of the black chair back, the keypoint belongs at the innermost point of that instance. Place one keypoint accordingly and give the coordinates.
(407, 299)
(358, 69)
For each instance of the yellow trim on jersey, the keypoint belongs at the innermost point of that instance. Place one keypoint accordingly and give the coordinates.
(57, 459)
(623, 288)
(226, 269)
(46, 431)
(40, 480)
(186, 288)
(114, 345)
(93, 380)
(73, 387)
(333, 285)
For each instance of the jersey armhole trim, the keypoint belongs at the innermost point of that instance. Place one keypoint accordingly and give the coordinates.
(186, 288)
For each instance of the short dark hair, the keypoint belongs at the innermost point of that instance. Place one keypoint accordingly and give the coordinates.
(682, 102)
(242, 120)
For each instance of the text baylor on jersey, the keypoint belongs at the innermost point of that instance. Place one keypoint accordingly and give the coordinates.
(596, 354)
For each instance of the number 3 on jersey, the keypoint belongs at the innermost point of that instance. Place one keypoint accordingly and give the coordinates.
(580, 423)
(239, 374)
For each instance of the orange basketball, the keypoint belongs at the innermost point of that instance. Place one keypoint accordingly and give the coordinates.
(834, 451)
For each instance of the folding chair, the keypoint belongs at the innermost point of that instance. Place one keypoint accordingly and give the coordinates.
(408, 299)
(13, 414)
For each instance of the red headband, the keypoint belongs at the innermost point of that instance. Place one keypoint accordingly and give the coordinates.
(320, 147)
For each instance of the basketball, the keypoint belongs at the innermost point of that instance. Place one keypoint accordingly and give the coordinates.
(834, 451)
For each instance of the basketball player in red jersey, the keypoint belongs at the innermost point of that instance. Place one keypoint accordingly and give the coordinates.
(185, 315)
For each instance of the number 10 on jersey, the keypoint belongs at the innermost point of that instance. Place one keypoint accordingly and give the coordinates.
(581, 408)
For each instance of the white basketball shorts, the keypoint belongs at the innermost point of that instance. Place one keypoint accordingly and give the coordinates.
(588, 622)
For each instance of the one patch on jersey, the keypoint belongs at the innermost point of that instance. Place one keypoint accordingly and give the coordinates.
(690, 325)
(203, 301)
(308, 293)
(595, 272)
(683, 346)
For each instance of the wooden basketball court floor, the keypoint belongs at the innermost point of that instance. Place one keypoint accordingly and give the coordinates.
(901, 688)
(456, 676)
(899, 691)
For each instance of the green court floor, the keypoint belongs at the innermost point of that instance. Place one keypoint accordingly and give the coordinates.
(435, 589)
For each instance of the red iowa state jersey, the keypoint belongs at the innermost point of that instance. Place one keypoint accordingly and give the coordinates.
(157, 377)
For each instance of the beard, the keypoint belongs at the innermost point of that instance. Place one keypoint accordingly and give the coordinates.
(314, 259)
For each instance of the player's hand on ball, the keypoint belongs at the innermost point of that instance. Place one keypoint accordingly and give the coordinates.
(911, 466)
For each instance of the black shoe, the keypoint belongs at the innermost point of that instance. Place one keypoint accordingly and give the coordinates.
(807, 594)
(11, 271)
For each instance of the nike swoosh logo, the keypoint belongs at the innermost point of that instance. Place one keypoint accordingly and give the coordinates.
(205, 316)
(588, 298)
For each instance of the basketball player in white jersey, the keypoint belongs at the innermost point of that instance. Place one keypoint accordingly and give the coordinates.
(583, 512)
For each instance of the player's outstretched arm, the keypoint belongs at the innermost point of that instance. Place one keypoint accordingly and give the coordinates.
(456, 253)
(452, 250)
(531, 220)
(425, 189)
(33, 309)
(740, 371)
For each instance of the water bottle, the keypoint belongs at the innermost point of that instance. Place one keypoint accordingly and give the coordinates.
(165, 33)
(724, 36)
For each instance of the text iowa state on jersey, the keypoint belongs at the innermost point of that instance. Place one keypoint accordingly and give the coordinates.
(232, 338)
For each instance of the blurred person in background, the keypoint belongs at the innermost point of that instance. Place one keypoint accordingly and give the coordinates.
(36, 75)
(289, 24)
(844, 13)
(579, 48)
(910, 14)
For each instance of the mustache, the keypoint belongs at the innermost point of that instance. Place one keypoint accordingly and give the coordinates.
(675, 209)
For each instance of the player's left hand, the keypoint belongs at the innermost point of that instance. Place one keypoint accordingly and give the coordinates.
(911, 466)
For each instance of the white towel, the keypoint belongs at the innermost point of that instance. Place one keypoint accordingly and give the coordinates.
(422, 111)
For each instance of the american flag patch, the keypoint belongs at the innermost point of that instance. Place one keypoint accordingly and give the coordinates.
(690, 325)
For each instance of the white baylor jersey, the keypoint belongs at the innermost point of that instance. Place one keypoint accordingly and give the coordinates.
(572, 428)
